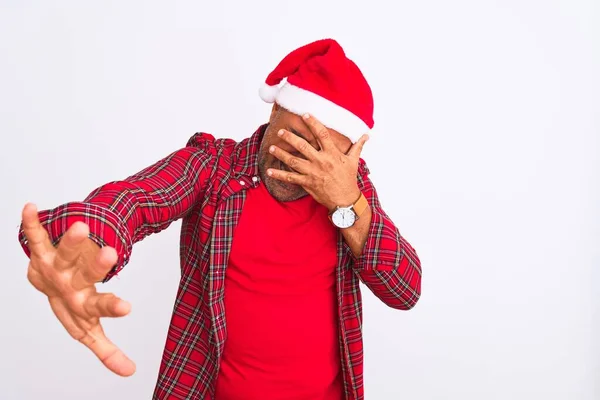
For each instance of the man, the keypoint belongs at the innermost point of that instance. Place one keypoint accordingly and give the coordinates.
(277, 232)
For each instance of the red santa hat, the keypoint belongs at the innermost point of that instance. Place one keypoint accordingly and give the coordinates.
(322, 81)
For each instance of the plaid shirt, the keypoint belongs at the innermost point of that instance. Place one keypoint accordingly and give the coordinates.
(205, 183)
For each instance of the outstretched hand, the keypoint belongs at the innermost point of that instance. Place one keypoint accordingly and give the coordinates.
(67, 275)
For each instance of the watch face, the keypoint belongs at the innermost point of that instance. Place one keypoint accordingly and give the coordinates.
(343, 218)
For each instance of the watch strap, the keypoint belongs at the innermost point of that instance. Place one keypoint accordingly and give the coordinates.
(361, 205)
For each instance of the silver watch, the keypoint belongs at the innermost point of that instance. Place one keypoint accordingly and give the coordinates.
(345, 217)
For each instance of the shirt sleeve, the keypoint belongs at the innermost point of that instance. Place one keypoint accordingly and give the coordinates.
(121, 213)
(388, 264)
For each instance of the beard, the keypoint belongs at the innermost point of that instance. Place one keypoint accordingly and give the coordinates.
(281, 191)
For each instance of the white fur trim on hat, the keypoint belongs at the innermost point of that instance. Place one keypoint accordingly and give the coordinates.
(268, 93)
(301, 101)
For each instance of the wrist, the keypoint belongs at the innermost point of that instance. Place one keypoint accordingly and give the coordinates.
(347, 200)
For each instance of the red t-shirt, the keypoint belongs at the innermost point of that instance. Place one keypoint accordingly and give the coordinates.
(280, 304)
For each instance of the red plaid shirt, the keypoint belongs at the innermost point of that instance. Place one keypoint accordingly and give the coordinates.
(205, 184)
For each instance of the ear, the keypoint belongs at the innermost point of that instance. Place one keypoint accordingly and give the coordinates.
(274, 110)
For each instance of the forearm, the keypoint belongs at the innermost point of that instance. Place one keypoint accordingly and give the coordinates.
(356, 235)
(385, 262)
(395, 278)
(120, 213)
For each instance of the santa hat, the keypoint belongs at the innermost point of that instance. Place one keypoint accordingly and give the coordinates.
(322, 81)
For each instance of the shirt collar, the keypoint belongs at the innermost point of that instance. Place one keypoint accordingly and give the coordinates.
(247, 154)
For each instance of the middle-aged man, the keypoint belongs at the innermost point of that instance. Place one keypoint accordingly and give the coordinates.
(277, 232)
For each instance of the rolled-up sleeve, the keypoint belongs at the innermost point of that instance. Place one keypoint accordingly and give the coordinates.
(121, 213)
(388, 265)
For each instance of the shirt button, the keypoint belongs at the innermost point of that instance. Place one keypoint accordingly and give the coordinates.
(242, 183)
(255, 179)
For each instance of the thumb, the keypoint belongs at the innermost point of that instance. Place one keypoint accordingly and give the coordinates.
(357, 147)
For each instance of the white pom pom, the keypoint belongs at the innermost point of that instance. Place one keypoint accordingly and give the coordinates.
(268, 93)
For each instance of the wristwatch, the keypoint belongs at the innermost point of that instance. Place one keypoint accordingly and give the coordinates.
(345, 217)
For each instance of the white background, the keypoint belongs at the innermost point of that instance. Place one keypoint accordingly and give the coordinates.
(485, 154)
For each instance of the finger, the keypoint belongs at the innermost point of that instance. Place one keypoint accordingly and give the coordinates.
(107, 352)
(300, 144)
(108, 305)
(65, 317)
(69, 247)
(320, 132)
(357, 147)
(37, 237)
(88, 275)
(35, 278)
(288, 177)
(298, 164)
(93, 337)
